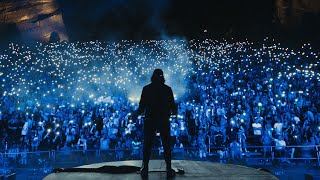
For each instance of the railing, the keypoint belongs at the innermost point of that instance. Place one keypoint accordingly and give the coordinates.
(272, 153)
(42, 162)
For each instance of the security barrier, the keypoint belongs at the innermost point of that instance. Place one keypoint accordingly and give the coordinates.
(38, 164)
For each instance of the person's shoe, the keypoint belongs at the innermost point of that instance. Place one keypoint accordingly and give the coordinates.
(171, 173)
(144, 172)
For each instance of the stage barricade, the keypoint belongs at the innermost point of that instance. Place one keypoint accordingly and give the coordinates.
(42, 162)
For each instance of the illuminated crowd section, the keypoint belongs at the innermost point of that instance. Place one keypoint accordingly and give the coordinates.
(216, 83)
(78, 73)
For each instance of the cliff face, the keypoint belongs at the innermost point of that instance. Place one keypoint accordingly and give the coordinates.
(293, 12)
(35, 19)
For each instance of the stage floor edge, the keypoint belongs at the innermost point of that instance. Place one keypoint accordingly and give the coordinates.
(193, 169)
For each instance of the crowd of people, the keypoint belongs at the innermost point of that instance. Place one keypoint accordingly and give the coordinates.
(85, 95)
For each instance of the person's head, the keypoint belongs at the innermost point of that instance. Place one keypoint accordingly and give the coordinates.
(96, 133)
(312, 139)
(157, 76)
(235, 140)
(177, 142)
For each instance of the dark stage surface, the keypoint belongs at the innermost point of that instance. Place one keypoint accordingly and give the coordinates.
(193, 169)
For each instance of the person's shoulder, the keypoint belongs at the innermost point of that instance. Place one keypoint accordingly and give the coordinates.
(147, 86)
(167, 87)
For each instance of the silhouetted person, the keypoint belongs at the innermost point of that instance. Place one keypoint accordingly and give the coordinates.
(158, 104)
(54, 37)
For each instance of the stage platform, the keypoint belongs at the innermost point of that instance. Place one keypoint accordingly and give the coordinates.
(193, 170)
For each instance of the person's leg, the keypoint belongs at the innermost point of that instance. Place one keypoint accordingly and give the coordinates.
(224, 133)
(244, 145)
(232, 154)
(148, 137)
(165, 138)
(292, 152)
(240, 154)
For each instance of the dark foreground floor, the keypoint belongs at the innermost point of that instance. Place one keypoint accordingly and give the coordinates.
(193, 170)
(282, 171)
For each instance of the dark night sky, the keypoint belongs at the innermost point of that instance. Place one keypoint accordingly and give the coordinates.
(145, 19)
(159, 19)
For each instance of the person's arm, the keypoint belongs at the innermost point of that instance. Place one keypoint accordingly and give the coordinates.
(85, 144)
(142, 103)
(92, 129)
(47, 135)
(55, 138)
(172, 104)
(275, 140)
(78, 144)
(317, 140)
